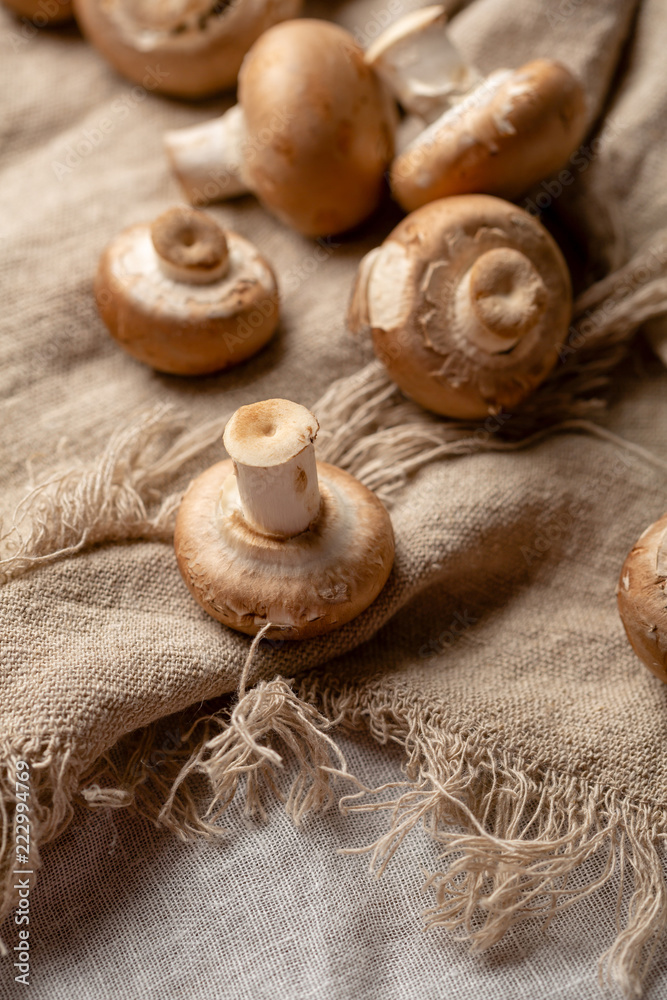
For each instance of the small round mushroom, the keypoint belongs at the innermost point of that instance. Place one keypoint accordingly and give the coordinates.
(42, 12)
(509, 132)
(187, 48)
(467, 302)
(271, 535)
(185, 296)
(642, 597)
(312, 135)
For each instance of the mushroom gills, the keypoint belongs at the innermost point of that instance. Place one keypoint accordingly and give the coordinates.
(186, 297)
(271, 537)
(466, 303)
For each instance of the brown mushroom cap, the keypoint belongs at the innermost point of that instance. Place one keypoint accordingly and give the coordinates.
(467, 301)
(188, 48)
(515, 128)
(158, 311)
(642, 597)
(41, 12)
(319, 127)
(306, 585)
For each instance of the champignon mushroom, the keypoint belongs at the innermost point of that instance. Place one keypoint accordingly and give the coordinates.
(188, 48)
(312, 135)
(467, 302)
(42, 12)
(419, 64)
(271, 535)
(184, 296)
(642, 597)
(513, 129)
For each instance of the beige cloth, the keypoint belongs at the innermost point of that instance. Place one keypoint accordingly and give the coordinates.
(494, 655)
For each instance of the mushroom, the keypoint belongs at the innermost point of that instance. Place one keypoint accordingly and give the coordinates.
(272, 536)
(509, 132)
(467, 302)
(642, 597)
(42, 12)
(184, 296)
(312, 135)
(497, 136)
(419, 64)
(188, 48)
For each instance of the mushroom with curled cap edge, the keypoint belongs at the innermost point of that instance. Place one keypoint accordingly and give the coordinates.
(42, 11)
(467, 302)
(642, 597)
(272, 536)
(311, 136)
(497, 135)
(185, 296)
(186, 48)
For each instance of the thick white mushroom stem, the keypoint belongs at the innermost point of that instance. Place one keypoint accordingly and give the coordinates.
(190, 246)
(208, 158)
(500, 299)
(271, 444)
(420, 65)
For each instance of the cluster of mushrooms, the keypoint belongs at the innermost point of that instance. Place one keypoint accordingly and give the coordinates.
(466, 302)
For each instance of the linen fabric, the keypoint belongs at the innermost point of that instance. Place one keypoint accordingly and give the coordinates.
(495, 656)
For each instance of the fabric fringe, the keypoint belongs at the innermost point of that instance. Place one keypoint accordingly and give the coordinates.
(368, 427)
(119, 497)
(514, 837)
(245, 747)
(267, 716)
(526, 834)
(227, 749)
(229, 752)
(52, 787)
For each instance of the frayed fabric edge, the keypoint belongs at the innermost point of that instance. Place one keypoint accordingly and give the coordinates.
(369, 428)
(513, 837)
(384, 439)
(226, 749)
(48, 804)
(118, 497)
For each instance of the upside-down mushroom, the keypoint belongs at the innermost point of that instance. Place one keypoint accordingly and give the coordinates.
(642, 597)
(185, 296)
(272, 536)
(311, 136)
(42, 12)
(496, 136)
(187, 48)
(467, 302)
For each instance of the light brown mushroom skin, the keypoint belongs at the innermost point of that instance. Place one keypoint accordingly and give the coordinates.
(321, 169)
(242, 586)
(543, 114)
(202, 343)
(42, 11)
(192, 72)
(441, 242)
(642, 597)
(191, 245)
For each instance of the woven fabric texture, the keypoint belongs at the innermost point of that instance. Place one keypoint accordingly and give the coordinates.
(535, 740)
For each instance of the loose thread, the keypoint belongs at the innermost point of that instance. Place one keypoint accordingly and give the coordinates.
(251, 655)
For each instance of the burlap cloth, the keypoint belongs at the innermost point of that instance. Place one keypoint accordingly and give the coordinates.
(494, 657)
